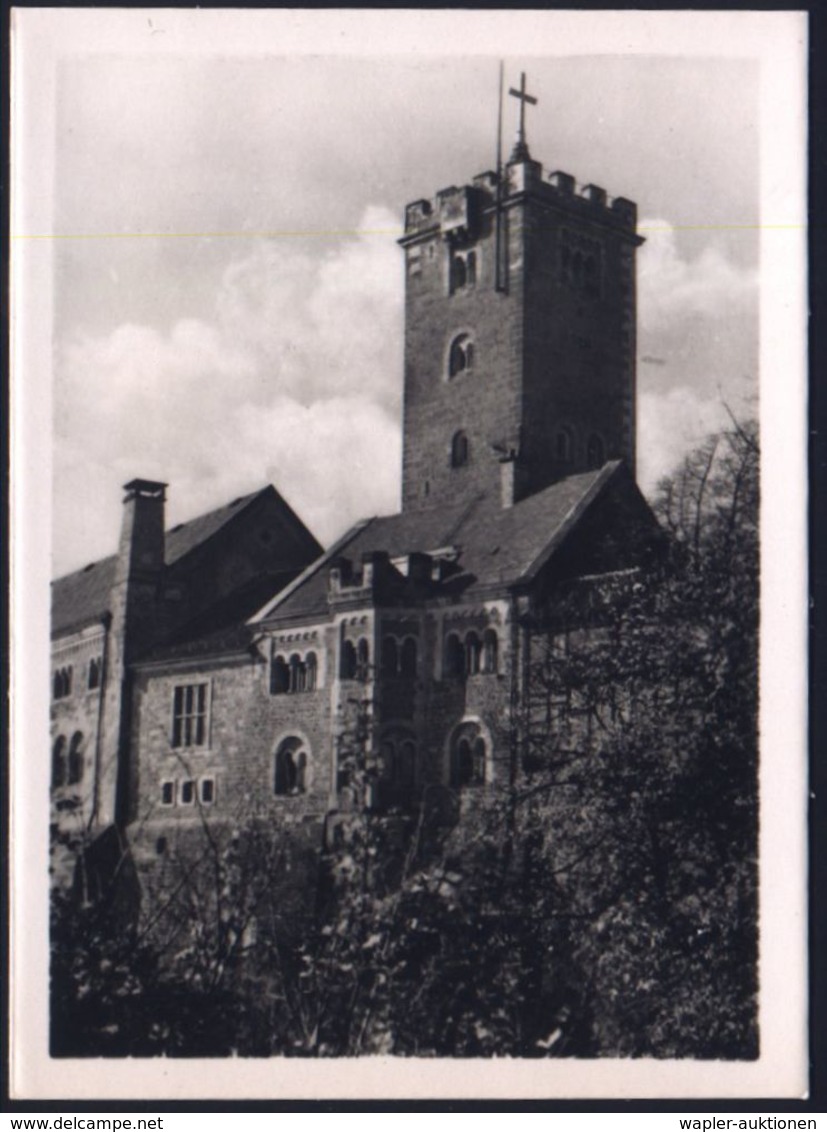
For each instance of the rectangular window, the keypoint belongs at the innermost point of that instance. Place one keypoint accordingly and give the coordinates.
(189, 716)
(168, 793)
(187, 792)
(207, 791)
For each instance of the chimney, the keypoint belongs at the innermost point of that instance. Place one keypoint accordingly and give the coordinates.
(141, 550)
(512, 480)
(134, 627)
(374, 567)
(419, 567)
(339, 574)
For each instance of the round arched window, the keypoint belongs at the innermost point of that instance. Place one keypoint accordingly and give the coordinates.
(467, 757)
(290, 775)
(459, 449)
(76, 759)
(563, 446)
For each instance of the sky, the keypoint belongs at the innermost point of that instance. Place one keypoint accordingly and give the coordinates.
(228, 290)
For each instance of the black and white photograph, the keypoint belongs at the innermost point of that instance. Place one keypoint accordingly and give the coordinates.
(409, 564)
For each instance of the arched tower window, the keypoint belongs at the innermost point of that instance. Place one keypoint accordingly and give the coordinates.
(59, 762)
(310, 672)
(563, 446)
(290, 767)
(461, 355)
(468, 757)
(459, 450)
(595, 451)
(463, 269)
(76, 759)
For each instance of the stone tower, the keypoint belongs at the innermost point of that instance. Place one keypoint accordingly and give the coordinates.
(519, 335)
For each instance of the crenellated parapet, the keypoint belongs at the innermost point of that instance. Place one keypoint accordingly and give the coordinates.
(456, 212)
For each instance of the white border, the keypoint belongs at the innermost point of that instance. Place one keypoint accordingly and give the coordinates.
(778, 39)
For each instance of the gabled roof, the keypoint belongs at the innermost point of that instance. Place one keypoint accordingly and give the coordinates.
(498, 547)
(184, 537)
(83, 597)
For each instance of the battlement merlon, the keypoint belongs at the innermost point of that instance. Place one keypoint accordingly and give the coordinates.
(454, 212)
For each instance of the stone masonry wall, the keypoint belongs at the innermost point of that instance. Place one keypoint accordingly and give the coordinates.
(483, 400)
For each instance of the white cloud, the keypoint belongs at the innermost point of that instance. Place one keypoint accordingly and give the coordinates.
(697, 347)
(672, 287)
(670, 425)
(297, 379)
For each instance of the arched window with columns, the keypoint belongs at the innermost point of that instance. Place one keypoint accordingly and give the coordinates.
(472, 653)
(290, 769)
(460, 355)
(468, 757)
(490, 650)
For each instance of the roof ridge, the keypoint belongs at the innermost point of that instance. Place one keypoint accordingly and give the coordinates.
(247, 500)
(309, 571)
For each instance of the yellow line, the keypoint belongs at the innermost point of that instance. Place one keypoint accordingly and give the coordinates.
(198, 235)
(349, 232)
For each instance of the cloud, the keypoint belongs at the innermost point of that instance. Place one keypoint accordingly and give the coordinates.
(296, 379)
(697, 347)
(670, 425)
(672, 287)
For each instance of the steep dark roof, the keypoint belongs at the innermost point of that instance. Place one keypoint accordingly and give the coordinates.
(498, 546)
(184, 537)
(83, 597)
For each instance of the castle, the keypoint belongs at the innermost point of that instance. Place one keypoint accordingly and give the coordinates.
(210, 667)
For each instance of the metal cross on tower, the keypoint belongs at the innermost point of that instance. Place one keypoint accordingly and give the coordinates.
(520, 152)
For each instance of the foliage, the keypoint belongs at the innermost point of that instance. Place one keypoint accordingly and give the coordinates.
(643, 788)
